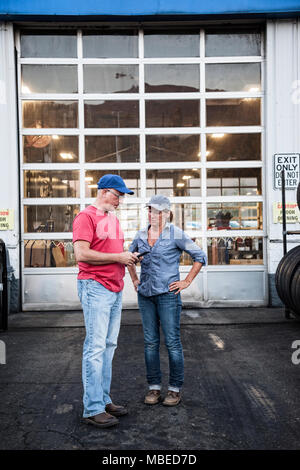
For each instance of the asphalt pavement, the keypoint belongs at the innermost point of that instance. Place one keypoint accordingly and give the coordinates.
(241, 387)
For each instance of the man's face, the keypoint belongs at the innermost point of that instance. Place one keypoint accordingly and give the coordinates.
(111, 198)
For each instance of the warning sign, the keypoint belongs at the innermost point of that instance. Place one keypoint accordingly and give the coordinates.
(291, 210)
(6, 219)
(290, 163)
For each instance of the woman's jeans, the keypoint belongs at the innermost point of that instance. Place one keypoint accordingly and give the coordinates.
(102, 317)
(164, 309)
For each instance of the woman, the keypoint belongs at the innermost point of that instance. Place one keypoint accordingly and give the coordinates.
(159, 294)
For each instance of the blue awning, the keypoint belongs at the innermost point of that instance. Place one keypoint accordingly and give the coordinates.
(91, 8)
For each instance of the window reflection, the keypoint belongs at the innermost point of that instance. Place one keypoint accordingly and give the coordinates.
(233, 77)
(173, 183)
(111, 78)
(43, 44)
(131, 178)
(233, 182)
(110, 44)
(49, 254)
(172, 148)
(171, 44)
(117, 148)
(106, 114)
(175, 78)
(235, 250)
(232, 147)
(50, 149)
(49, 79)
(172, 113)
(51, 183)
(129, 216)
(234, 43)
(233, 112)
(50, 114)
(54, 218)
(234, 216)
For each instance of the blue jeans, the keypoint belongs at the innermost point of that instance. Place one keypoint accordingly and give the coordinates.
(164, 310)
(102, 317)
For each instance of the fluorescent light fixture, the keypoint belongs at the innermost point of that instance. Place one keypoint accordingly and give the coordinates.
(218, 136)
(180, 185)
(66, 156)
(186, 177)
(92, 186)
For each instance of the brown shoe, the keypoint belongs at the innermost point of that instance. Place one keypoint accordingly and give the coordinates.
(153, 397)
(102, 420)
(116, 410)
(172, 398)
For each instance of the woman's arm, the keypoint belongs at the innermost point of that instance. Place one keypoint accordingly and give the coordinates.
(133, 275)
(180, 285)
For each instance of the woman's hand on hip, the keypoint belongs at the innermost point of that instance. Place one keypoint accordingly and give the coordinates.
(179, 286)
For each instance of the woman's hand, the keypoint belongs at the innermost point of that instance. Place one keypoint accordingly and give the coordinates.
(135, 284)
(180, 285)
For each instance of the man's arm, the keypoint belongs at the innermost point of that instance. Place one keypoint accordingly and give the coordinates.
(84, 254)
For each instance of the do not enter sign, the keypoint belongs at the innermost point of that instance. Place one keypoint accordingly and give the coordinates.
(290, 163)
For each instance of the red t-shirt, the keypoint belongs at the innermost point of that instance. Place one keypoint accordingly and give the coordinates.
(104, 233)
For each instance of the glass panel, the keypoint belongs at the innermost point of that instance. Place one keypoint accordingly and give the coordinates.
(172, 113)
(234, 44)
(48, 254)
(110, 44)
(233, 112)
(48, 45)
(50, 114)
(51, 183)
(49, 79)
(129, 216)
(50, 149)
(231, 182)
(169, 44)
(172, 183)
(112, 148)
(111, 78)
(235, 250)
(163, 78)
(52, 218)
(131, 178)
(232, 147)
(187, 217)
(233, 77)
(234, 216)
(107, 114)
(172, 148)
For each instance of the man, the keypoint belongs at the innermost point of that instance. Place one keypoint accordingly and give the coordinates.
(98, 246)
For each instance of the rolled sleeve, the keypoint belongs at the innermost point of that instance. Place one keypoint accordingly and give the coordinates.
(185, 243)
(134, 244)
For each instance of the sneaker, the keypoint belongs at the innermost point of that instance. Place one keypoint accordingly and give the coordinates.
(172, 398)
(153, 397)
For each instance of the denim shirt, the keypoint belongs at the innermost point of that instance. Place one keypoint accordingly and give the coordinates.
(160, 267)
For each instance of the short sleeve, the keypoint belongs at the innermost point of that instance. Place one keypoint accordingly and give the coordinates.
(83, 228)
(185, 243)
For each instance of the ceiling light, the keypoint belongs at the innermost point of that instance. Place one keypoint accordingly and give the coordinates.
(186, 177)
(218, 136)
(66, 156)
(55, 137)
(89, 178)
(180, 185)
(92, 186)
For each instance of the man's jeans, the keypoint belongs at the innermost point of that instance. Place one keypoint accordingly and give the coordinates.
(164, 309)
(102, 317)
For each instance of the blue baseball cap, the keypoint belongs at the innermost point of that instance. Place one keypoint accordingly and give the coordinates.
(113, 181)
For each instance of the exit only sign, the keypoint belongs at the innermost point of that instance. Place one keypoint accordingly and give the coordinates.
(290, 163)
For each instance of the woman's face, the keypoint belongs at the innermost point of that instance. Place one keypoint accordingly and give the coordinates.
(157, 218)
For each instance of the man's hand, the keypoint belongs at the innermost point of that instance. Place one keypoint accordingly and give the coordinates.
(180, 285)
(128, 258)
(135, 284)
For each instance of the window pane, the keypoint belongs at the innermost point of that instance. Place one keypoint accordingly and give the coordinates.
(52, 218)
(172, 148)
(111, 78)
(233, 44)
(129, 216)
(48, 45)
(51, 183)
(107, 114)
(174, 182)
(48, 254)
(172, 113)
(230, 182)
(168, 44)
(110, 44)
(112, 149)
(50, 149)
(50, 114)
(131, 178)
(233, 77)
(232, 147)
(234, 216)
(233, 112)
(187, 217)
(163, 78)
(49, 79)
(235, 250)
